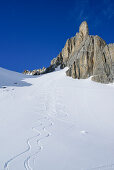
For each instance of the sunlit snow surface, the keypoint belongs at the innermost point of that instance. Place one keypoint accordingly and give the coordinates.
(53, 122)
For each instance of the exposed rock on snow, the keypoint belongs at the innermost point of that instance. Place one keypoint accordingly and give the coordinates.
(91, 57)
(85, 55)
(35, 72)
(88, 55)
(84, 132)
(55, 123)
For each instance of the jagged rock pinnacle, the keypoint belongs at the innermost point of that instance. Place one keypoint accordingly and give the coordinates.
(86, 55)
(84, 29)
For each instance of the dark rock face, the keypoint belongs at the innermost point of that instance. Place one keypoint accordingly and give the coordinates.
(49, 69)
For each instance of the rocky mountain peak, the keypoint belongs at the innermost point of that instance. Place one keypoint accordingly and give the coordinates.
(85, 55)
(83, 29)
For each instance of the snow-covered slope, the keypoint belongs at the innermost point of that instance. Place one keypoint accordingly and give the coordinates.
(10, 78)
(53, 122)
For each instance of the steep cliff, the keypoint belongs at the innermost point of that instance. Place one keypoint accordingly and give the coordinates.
(86, 56)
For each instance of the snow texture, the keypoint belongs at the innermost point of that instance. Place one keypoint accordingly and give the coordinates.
(53, 122)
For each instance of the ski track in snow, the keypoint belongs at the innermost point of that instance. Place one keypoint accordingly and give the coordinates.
(26, 162)
(46, 122)
(6, 166)
(62, 117)
(104, 167)
(42, 134)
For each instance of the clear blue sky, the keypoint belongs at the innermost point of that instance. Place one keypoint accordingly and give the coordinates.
(32, 32)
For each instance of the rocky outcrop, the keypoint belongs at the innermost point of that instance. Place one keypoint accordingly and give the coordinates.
(91, 57)
(35, 72)
(102, 68)
(86, 56)
(111, 53)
